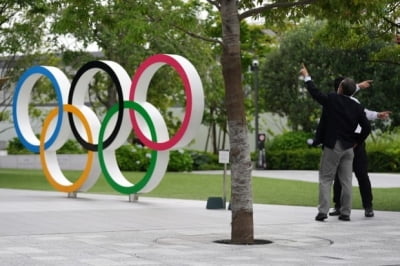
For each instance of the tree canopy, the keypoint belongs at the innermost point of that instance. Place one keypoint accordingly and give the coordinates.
(22, 33)
(283, 91)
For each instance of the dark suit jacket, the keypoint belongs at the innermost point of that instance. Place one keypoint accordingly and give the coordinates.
(342, 115)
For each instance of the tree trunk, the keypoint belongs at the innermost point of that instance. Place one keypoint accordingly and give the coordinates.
(241, 201)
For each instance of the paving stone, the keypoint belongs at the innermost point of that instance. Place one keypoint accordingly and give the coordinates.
(47, 228)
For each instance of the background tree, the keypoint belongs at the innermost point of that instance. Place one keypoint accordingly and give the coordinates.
(21, 33)
(255, 41)
(283, 91)
(156, 27)
(129, 31)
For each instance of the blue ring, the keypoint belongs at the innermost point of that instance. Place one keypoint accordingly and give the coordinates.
(45, 72)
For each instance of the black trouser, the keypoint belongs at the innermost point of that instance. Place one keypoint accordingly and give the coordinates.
(360, 168)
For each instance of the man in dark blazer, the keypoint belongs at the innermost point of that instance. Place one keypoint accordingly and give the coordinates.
(360, 161)
(343, 115)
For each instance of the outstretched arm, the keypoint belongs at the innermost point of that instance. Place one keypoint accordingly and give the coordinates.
(363, 85)
(372, 115)
(384, 115)
(310, 86)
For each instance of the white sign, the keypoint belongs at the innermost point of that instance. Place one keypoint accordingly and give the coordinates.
(223, 156)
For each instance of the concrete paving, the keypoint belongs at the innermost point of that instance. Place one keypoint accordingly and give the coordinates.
(48, 228)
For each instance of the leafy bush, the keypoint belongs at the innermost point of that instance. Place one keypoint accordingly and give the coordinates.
(289, 141)
(384, 140)
(205, 161)
(308, 159)
(133, 158)
(289, 151)
(300, 159)
(15, 146)
(383, 160)
(137, 158)
(180, 160)
(383, 151)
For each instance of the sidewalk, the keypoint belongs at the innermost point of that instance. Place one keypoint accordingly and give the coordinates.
(378, 180)
(47, 228)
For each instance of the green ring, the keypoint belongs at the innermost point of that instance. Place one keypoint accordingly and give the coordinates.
(135, 188)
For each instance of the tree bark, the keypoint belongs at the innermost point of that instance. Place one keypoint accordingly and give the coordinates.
(241, 189)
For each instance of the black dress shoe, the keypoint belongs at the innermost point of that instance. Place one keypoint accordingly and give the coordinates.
(343, 217)
(335, 212)
(369, 212)
(321, 217)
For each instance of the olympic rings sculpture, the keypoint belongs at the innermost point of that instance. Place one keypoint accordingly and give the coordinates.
(73, 119)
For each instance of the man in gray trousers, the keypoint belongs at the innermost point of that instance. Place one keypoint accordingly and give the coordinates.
(343, 115)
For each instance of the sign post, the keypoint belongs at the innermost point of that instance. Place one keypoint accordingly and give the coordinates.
(261, 162)
(224, 158)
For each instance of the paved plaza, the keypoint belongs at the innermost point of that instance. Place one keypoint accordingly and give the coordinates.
(48, 228)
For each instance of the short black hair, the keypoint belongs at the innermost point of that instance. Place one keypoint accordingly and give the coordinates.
(336, 82)
(348, 86)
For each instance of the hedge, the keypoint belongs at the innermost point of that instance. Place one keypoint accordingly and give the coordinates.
(383, 161)
(300, 159)
(285, 152)
(308, 159)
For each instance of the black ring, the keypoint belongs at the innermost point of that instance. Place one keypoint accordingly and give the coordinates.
(106, 68)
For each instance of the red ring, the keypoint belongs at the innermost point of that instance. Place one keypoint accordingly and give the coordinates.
(163, 59)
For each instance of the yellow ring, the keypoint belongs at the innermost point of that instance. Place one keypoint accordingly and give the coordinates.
(81, 180)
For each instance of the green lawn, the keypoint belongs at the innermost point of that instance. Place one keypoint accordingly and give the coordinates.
(200, 187)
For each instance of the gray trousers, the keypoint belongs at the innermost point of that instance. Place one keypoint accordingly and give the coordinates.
(341, 161)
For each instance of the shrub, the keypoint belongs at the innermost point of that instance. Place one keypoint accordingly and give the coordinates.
(383, 160)
(384, 140)
(133, 158)
(290, 151)
(300, 159)
(205, 161)
(289, 141)
(15, 146)
(137, 158)
(180, 160)
(383, 151)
